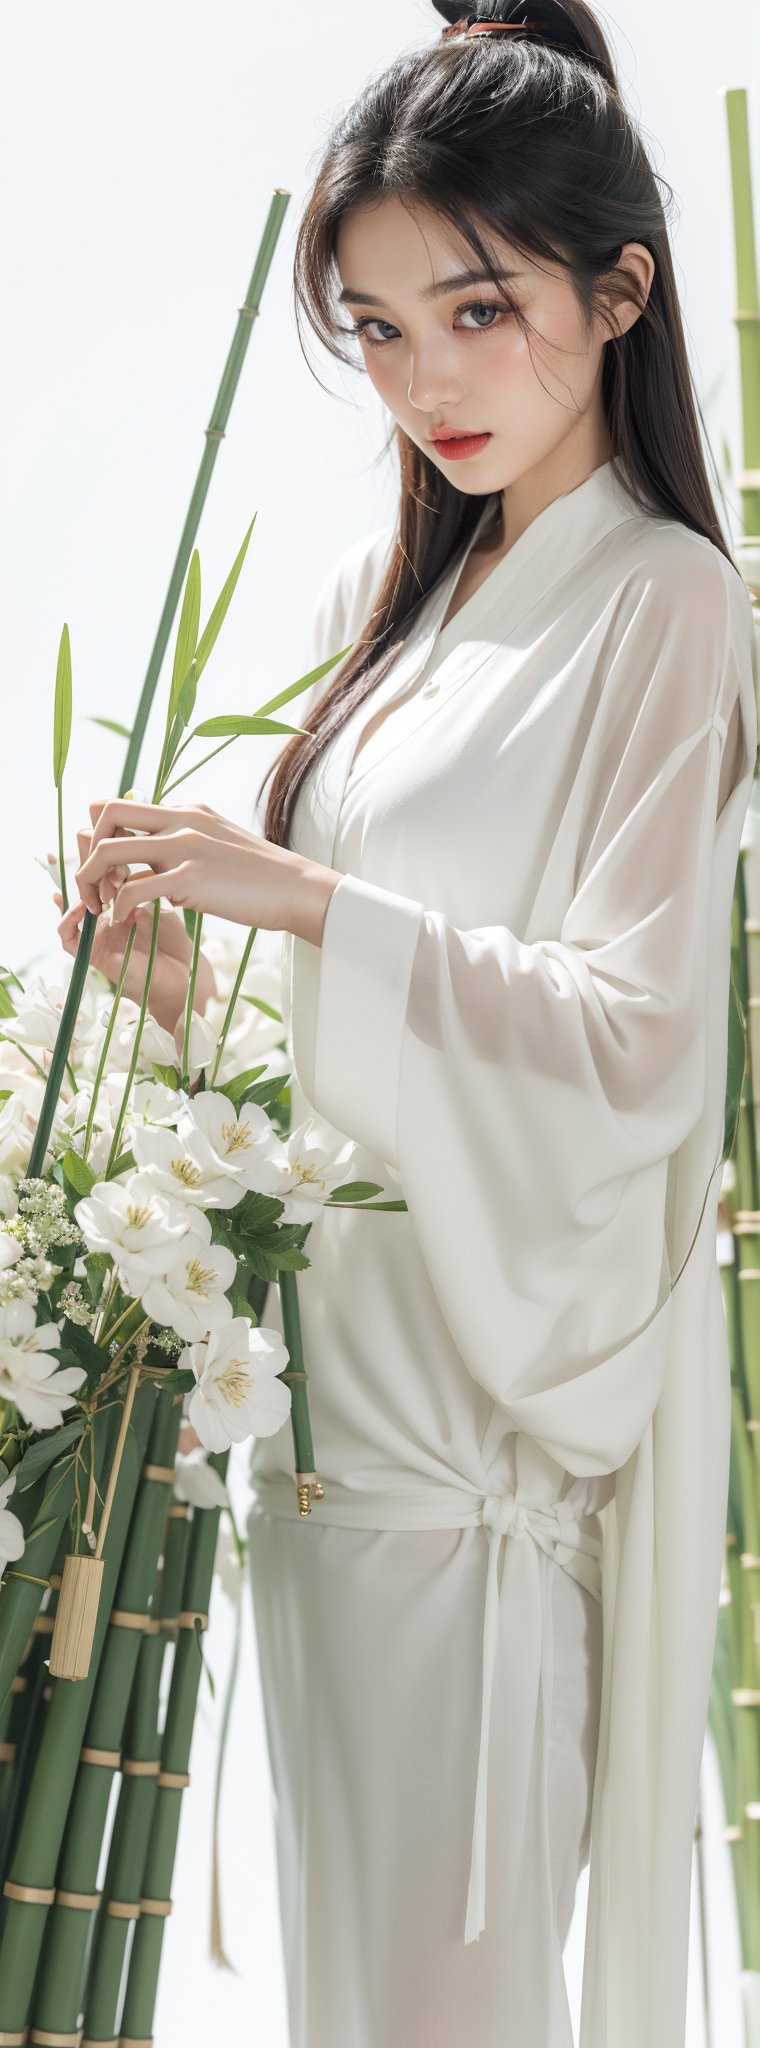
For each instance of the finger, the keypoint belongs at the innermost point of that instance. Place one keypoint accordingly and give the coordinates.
(147, 886)
(122, 813)
(162, 852)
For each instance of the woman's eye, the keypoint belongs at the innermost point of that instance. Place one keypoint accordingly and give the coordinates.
(361, 327)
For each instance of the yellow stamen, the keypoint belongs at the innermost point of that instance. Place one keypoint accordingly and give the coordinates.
(235, 1382)
(237, 1136)
(184, 1171)
(199, 1278)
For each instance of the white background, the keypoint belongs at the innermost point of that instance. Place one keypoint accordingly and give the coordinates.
(139, 149)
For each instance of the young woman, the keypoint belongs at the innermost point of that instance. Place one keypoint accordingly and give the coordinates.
(503, 860)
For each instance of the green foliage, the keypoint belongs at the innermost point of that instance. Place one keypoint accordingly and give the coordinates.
(42, 1454)
(111, 725)
(169, 1076)
(62, 708)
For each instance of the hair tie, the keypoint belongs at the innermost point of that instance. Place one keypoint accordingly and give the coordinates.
(483, 28)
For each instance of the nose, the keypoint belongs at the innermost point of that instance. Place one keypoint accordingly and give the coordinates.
(433, 382)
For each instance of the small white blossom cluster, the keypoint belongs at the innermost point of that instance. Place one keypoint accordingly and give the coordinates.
(42, 1218)
(25, 1279)
(74, 1305)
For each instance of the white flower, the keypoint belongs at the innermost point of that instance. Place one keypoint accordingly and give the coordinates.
(182, 1166)
(10, 1250)
(301, 1171)
(11, 1530)
(202, 1047)
(155, 1043)
(30, 1376)
(52, 867)
(238, 1393)
(18, 1124)
(136, 1223)
(154, 1103)
(18, 1074)
(190, 1295)
(38, 1014)
(74, 1125)
(229, 1142)
(197, 1482)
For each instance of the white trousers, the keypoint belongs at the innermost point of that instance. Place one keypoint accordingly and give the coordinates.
(370, 1656)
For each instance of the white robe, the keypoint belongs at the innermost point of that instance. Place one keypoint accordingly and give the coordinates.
(519, 1014)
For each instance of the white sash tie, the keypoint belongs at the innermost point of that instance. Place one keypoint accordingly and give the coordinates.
(570, 1539)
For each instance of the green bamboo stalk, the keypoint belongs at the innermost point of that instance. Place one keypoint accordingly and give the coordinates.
(747, 314)
(145, 1957)
(128, 1846)
(215, 433)
(307, 1483)
(248, 312)
(46, 1805)
(60, 1984)
(229, 1012)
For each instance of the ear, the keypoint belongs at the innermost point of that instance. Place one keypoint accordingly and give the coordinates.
(636, 258)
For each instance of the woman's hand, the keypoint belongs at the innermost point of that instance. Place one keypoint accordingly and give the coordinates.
(201, 861)
(168, 988)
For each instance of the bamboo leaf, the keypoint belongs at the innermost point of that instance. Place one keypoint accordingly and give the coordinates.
(355, 1191)
(186, 705)
(211, 631)
(304, 682)
(267, 1009)
(43, 1454)
(6, 1006)
(220, 728)
(111, 725)
(62, 708)
(187, 633)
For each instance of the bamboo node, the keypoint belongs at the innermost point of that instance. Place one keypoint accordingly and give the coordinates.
(87, 1902)
(189, 1616)
(161, 1907)
(752, 1809)
(43, 1625)
(122, 1909)
(745, 1696)
(163, 1472)
(250, 312)
(122, 1617)
(7, 1752)
(180, 1510)
(109, 1757)
(214, 433)
(748, 1561)
(732, 1833)
(56, 2040)
(19, 1683)
(31, 1894)
(177, 1780)
(140, 1767)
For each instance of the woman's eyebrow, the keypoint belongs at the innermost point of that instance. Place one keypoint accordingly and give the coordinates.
(434, 291)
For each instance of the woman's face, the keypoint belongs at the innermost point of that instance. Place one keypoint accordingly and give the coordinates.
(456, 358)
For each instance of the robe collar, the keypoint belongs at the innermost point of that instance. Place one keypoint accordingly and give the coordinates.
(549, 547)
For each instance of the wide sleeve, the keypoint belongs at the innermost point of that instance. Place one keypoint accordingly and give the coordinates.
(530, 1093)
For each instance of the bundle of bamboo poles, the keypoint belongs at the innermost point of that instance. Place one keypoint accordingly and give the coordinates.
(734, 1716)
